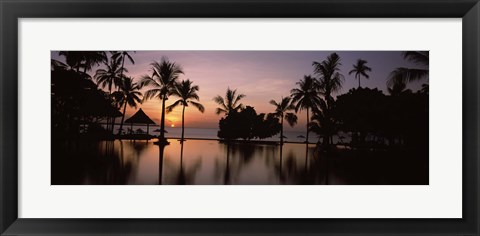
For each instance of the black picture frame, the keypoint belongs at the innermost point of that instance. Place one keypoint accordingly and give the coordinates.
(12, 10)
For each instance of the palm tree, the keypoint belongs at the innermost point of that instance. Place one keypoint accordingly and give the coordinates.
(360, 69)
(306, 97)
(398, 88)
(330, 79)
(323, 123)
(111, 76)
(128, 94)
(122, 55)
(85, 59)
(229, 103)
(162, 83)
(93, 58)
(188, 95)
(407, 75)
(281, 110)
(73, 58)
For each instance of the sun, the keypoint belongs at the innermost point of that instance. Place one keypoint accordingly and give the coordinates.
(173, 126)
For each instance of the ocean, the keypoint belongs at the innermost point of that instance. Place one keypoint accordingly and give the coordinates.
(211, 133)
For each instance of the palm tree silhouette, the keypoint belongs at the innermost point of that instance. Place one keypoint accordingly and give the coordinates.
(73, 58)
(229, 103)
(92, 58)
(407, 75)
(162, 82)
(188, 95)
(85, 59)
(281, 111)
(322, 123)
(123, 55)
(111, 76)
(306, 97)
(128, 94)
(398, 87)
(330, 79)
(360, 69)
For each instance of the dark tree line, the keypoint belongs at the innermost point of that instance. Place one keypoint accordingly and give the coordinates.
(372, 118)
(246, 124)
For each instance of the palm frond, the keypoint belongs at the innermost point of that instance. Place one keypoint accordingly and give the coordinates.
(199, 106)
(405, 75)
(175, 104)
(219, 111)
(419, 57)
(291, 118)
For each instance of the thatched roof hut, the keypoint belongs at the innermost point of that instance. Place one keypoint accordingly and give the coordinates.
(140, 118)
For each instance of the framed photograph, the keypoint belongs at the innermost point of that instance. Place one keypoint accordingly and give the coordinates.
(251, 118)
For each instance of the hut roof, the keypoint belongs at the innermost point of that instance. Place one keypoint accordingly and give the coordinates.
(140, 118)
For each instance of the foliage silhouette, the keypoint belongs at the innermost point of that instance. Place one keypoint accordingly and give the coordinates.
(162, 83)
(230, 103)
(330, 80)
(128, 94)
(188, 95)
(281, 111)
(406, 75)
(111, 76)
(305, 96)
(76, 100)
(247, 125)
(360, 69)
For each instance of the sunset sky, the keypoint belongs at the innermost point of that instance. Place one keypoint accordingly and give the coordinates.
(260, 75)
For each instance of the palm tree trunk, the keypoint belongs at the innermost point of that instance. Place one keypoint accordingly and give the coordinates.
(123, 64)
(183, 122)
(118, 89)
(108, 118)
(123, 117)
(358, 81)
(308, 119)
(281, 132)
(162, 121)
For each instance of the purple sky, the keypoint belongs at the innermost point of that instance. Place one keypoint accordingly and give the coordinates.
(260, 75)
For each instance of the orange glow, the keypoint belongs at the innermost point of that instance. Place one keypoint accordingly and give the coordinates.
(173, 125)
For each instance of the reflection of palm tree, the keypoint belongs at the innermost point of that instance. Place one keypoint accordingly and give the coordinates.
(181, 174)
(360, 69)
(406, 75)
(187, 94)
(306, 97)
(229, 103)
(281, 110)
(162, 82)
(128, 94)
(161, 149)
(226, 177)
(281, 162)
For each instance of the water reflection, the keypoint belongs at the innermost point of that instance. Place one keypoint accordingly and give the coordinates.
(212, 162)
